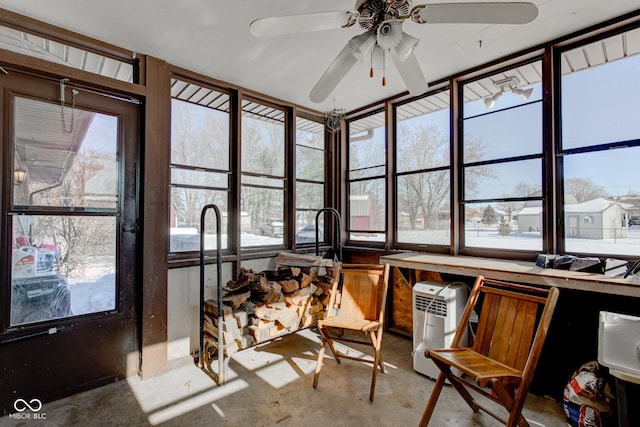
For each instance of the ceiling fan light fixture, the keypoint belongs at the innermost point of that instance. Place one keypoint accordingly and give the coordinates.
(377, 58)
(389, 34)
(361, 45)
(406, 46)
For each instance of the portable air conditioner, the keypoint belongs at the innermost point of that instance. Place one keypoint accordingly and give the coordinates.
(437, 308)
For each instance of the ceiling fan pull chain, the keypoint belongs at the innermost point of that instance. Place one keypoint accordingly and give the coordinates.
(371, 69)
(384, 67)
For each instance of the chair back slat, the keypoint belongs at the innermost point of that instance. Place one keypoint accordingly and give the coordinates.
(363, 291)
(486, 324)
(503, 332)
(506, 325)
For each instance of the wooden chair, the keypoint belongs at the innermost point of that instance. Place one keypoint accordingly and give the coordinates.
(512, 325)
(362, 291)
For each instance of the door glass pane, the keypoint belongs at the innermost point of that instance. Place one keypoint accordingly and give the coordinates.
(62, 266)
(64, 263)
(65, 159)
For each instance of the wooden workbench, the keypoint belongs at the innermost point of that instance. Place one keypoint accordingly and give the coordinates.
(572, 338)
(515, 271)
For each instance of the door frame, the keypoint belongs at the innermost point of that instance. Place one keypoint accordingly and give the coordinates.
(48, 360)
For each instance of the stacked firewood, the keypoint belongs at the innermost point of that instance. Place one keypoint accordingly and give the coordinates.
(258, 307)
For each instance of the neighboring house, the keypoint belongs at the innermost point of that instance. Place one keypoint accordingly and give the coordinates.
(362, 211)
(594, 219)
(530, 218)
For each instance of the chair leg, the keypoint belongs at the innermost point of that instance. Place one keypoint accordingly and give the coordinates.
(515, 415)
(377, 361)
(326, 337)
(376, 343)
(333, 349)
(316, 377)
(373, 380)
(433, 399)
(462, 391)
(513, 405)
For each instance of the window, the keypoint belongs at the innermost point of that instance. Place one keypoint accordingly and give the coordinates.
(502, 160)
(262, 191)
(367, 178)
(423, 168)
(64, 212)
(310, 179)
(199, 165)
(601, 145)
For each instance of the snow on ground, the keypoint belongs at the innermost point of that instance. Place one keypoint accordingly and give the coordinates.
(91, 296)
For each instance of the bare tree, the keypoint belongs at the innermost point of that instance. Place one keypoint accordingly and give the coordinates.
(199, 137)
(425, 194)
(583, 189)
(262, 153)
(90, 182)
(524, 189)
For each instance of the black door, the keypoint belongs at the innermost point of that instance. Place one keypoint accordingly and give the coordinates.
(68, 239)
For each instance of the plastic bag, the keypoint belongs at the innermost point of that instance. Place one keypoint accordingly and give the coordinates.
(587, 398)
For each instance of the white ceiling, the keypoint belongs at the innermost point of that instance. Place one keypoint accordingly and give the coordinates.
(212, 37)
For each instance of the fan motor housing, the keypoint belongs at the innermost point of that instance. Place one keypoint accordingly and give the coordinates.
(374, 12)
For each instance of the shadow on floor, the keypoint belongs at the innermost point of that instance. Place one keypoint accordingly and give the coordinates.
(271, 385)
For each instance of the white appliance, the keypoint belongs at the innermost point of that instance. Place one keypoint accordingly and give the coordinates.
(437, 308)
(619, 342)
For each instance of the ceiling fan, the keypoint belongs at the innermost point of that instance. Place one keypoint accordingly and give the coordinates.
(382, 20)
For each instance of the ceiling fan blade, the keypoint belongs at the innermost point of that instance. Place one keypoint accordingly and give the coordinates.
(477, 13)
(410, 71)
(334, 74)
(278, 25)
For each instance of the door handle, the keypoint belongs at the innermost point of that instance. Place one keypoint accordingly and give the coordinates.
(131, 228)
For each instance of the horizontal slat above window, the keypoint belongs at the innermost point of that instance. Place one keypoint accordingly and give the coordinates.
(60, 53)
(199, 95)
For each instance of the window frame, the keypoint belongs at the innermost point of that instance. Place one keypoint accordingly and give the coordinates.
(285, 178)
(396, 175)
(325, 193)
(384, 176)
(561, 153)
(185, 255)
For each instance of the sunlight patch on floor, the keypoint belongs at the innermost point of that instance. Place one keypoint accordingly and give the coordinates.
(185, 406)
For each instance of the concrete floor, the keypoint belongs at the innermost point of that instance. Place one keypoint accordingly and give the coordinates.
(271, 385)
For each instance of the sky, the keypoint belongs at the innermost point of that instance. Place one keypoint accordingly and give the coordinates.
(599, 105)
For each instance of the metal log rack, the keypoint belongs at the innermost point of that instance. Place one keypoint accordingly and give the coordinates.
(220, 378)
(337, 234)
